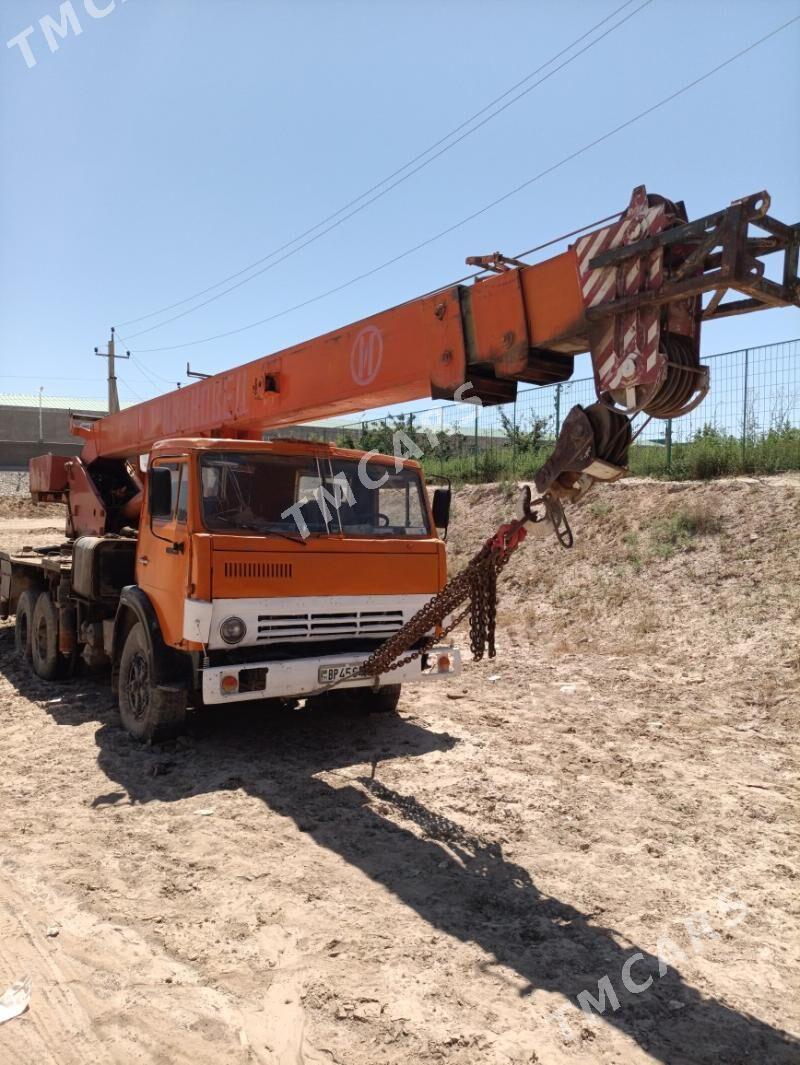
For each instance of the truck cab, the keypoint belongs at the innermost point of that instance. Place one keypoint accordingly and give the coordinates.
(235, 570)
(276, 568)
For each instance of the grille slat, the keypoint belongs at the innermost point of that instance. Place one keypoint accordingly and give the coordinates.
(282, 628)
(276, 627)
(299, 625)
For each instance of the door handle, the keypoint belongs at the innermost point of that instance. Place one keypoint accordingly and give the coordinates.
(144, 560)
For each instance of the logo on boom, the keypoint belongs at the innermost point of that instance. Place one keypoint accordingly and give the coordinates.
(366, 356)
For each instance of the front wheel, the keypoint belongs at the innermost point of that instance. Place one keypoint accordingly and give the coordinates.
(148, 712)
(360, 701)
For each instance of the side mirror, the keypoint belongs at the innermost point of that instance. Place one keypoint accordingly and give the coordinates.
(441, 508)
(160, 492)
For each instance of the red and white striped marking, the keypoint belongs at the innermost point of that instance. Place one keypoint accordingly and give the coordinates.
(627, 354)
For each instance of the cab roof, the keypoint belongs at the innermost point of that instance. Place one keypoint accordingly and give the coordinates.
(283, 446)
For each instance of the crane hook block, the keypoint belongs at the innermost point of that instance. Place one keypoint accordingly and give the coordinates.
(592, 446)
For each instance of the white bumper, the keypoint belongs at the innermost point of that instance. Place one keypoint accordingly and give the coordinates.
(299, 677)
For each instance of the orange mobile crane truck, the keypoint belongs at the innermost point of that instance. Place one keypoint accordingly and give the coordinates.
(237, 568)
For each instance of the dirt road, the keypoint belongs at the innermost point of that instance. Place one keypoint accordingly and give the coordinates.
(608, 808)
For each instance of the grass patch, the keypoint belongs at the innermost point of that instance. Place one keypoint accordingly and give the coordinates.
(509, 490)
(631, 541)
(600, 509)
(680, 529)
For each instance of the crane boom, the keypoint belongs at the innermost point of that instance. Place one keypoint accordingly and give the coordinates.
(629, 293)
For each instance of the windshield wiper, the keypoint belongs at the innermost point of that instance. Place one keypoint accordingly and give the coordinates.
(283, 535)
(259, 529)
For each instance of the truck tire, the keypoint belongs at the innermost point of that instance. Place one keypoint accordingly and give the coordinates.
(148, 712)
(23, 624)
(359, 701)
(47, 661)
(382, 701)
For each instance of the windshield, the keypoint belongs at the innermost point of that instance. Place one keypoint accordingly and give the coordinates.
(299, 496)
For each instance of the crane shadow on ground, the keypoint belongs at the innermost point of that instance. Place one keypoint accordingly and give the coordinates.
(460, 884)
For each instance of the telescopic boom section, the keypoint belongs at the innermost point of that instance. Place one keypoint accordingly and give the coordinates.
(630, 293)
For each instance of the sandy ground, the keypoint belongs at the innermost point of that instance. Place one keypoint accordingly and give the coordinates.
(612, 800)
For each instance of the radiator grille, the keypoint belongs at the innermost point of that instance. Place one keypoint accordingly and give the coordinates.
(275, 628)
(250, 570)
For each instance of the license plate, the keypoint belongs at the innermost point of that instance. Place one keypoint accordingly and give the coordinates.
(327, 674)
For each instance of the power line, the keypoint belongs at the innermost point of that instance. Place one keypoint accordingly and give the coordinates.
(149, 375)
(384, 191)
(566, 236)
(389, 177)
(133, 391)
(146, 376)
(500, 199)
(458, 281)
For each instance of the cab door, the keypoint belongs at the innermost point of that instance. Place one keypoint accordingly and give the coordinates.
(162, 562)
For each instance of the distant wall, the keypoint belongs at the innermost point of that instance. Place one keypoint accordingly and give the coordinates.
(305, 432)
(19, 435)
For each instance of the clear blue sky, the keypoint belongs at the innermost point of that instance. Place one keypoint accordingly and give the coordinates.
(173, 142)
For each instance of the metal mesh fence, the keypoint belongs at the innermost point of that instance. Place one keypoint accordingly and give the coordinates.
(750, 421)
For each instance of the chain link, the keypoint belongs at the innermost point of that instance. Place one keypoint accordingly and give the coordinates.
(477, 582)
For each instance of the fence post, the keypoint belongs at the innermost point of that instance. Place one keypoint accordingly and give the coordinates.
(668, 436)
(558, 409)
(514, 442)
(744, 405)
(475, 444)
(441, 447)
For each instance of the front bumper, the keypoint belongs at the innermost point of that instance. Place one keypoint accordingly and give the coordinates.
(295, 678)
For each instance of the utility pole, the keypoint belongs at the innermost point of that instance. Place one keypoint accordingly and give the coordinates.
(41, 432)
(113, 396)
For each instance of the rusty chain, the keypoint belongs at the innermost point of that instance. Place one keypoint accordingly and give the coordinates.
(477, 582)
(587, 434)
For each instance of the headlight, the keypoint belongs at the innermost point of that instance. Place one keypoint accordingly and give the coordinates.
(232, 630)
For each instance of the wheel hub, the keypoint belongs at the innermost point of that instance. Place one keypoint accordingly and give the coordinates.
(41, 639)
(139, 685)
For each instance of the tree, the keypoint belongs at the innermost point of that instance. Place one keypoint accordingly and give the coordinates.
(525, 440)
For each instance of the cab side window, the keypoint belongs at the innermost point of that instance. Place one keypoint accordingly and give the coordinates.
(179, 491)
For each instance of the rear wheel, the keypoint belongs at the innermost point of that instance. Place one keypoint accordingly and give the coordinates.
(23, 624)
(47, 662)
(148, 712)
